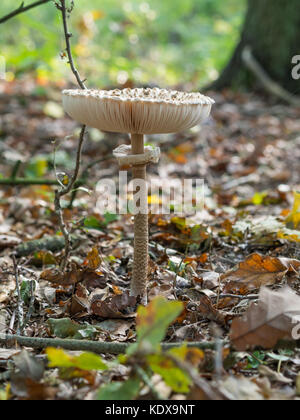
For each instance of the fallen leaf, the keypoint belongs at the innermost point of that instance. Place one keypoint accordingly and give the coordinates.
(66, 328)
(55, 276)
(206, 309)
(6, 354)
(7, 241)
(85, 361)
(274, 318)
(154, 320)
(7, 281)
(93, 260)
(26, 378)
(273, 376)
(240, 389)
(118, 306)
(293, 220)
(257, 271)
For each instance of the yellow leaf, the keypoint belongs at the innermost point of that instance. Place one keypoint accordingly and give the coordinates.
(97, 14)
(154, 199)
(93, 259)
(289, 235)
(293, 220)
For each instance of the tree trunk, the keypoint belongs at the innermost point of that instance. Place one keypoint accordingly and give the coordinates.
(272, 31)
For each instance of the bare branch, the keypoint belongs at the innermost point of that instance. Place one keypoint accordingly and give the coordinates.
(64, 11)
(64, 191)
(270, 85)
(84, 345)
(22, 9)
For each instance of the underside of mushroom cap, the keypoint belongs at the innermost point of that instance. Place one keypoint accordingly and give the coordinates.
(138, 111)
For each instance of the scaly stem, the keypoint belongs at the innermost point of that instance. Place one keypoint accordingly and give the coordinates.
(141, 234)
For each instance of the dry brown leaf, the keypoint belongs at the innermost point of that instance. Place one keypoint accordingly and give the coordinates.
(257, 271)
(274, 376)
(93, 259)
(267, 322)
(206, 309)
(210, 280)
(7, 241)
(117, 306)
(7, 281)
(6, 354)
(55, 276)
(240, 389)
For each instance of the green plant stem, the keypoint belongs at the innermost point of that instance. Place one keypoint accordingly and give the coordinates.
(147, 381)
(16, 169)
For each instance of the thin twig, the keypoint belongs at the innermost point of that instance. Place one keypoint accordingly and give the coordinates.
(15, 182)
(178, 271)
(22, 9)
(64, 12)
(64, 191)
(245, 297)
(7, 328)
(270, 85)
(20, 311)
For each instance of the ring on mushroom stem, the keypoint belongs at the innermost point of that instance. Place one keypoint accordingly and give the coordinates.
(138, 112)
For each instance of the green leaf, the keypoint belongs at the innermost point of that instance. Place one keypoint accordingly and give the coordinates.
(65, 328)
(256, 359)
(85, 361)
(173, 376)
(92, 223)
(176, 265)
(154, 320)
(119, 391)
(3, 395)
(109, 218)
(58, 358)
(282, 357)
(37, 167)
(258, 198)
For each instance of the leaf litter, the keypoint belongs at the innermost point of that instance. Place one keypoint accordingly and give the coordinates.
(237, 267)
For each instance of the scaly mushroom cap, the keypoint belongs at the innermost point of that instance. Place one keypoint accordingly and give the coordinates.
(138, 111)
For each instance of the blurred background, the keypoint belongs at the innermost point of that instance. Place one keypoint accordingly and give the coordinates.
(118, 42)
(248, 151)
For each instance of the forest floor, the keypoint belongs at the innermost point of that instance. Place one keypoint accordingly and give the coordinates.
(244, 243)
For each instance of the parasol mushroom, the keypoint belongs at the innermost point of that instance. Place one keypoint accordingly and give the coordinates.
(138, 112)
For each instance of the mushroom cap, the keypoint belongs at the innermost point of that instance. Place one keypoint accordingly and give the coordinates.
(137, 111)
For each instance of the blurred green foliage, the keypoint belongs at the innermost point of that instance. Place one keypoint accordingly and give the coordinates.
(164, 42)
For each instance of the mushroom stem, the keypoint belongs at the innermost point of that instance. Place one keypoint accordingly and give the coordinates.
(141, 234)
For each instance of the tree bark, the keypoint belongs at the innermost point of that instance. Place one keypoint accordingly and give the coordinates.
(272, 31)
